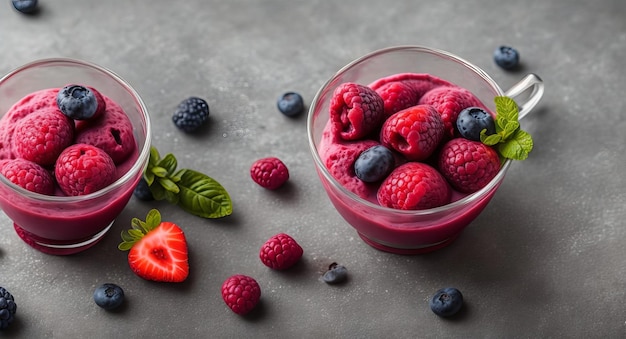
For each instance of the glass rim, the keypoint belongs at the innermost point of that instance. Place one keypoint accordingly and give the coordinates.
(387, 210)
(138, 165)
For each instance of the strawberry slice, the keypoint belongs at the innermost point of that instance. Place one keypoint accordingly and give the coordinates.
(158, 250)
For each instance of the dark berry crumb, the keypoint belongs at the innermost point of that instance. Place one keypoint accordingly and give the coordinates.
(336, 274)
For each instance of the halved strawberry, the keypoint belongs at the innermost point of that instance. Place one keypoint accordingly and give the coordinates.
(158, 250)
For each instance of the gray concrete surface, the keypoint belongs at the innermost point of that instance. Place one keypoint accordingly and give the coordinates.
(545, 259)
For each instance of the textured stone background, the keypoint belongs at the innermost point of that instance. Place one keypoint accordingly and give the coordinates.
(545, 259)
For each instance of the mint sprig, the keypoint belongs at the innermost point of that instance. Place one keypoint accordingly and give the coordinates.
(194, 192)
(510, 140)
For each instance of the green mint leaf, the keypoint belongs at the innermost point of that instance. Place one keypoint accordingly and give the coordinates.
(490, 140)
(510, 128)
(506, 108)
(518, 147)
(169, 163)
(203, 196)
(510, 140)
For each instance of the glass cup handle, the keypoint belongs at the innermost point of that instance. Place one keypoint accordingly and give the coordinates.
(531, 82)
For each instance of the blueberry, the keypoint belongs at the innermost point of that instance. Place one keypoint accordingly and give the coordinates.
(142, 191)
(77, 102)
(7, 308)
(25, 6)
(506, 57)
(472, 120)
(108, 296)
(290, 104)
(336, 274)
(190, 114)
(446, 302)
(374, 164)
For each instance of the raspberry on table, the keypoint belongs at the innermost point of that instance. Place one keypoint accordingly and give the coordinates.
(28, 175)
(42, 135)
(414, 132)
(83, 169)
(468, 165)
(356, 110)
(280, 252)
(414, 186)
(449, 101)
(241, 293)
(190, 114)
(270, 172)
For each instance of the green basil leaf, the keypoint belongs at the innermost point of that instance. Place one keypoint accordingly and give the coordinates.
(171, 197)
(203, 196)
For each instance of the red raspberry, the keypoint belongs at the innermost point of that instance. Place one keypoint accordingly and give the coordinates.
(280, 252)
(82, 169)
(270, 173)
(356, 110)
(397, 96)
(414, 186)
(449, 101)
(468, 165)
(42, 135)
(28, 175)
(241, 293)
(414, 132)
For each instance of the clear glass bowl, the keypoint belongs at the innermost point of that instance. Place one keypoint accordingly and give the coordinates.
(69, 224)
(417, 231)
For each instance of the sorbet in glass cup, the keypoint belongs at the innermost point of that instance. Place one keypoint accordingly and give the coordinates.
(424, 230)
(60, 224)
